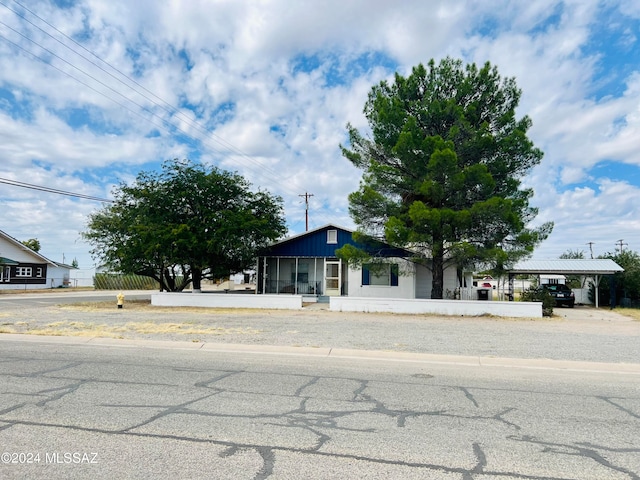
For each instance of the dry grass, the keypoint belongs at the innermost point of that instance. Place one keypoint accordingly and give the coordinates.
(628, 312)
(87, 329)
(145, 305)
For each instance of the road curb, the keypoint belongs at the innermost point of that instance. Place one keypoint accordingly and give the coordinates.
(341, 353)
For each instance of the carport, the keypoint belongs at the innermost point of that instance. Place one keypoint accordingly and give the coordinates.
(594, 268)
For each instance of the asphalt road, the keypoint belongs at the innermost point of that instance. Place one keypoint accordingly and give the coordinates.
(95, 411)
(61, 297)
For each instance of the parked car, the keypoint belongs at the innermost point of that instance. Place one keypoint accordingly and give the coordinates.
(562, 294)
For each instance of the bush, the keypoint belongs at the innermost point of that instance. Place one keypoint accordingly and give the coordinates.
(537, 294)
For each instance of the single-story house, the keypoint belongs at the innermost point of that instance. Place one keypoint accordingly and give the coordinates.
(306, 264)
(23, 268)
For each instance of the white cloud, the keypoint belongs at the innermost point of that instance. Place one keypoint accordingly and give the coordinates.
(201, 55)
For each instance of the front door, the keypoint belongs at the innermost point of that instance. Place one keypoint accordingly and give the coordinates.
(332, 278)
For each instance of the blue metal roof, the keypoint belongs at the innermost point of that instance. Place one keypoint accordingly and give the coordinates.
(314, 244)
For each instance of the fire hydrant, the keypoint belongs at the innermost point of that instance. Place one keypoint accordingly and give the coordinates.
(120, 298)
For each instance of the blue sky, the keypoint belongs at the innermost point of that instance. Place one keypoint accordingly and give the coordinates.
(92, 92)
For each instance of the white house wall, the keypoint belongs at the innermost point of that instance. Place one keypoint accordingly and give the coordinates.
(57, 277)
(424, 281)
(405, 288)
(414, 281)
(16, 253)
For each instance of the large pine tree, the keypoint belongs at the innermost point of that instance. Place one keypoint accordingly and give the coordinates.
(443, 168)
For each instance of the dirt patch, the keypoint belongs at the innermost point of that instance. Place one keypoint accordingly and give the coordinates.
(145, 305)
(89, 329)
(590, 314)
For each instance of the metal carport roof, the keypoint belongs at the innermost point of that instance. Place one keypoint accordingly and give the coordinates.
(595, 266)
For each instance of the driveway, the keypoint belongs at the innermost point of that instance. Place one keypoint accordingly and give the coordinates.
(587, 313)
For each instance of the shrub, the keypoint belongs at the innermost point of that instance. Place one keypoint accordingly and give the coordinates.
(537, 294)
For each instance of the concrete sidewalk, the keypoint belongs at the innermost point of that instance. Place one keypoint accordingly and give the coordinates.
(341, 353)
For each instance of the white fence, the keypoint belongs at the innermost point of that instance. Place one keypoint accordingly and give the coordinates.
(226, 300)
(437, 307)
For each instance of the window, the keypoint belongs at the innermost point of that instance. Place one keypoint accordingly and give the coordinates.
(23, 271)
(39, 272)
(332, 236)
(5, 274)
(381, 275)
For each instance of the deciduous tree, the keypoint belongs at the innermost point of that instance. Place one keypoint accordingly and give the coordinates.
(185, 223)
(33, 244)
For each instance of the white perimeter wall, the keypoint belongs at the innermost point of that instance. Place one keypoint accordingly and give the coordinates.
(438, 307)
(226, 300)
(351, 304)
(22, 286)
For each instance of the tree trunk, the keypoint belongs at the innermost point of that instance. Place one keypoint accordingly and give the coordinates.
(438, 277)
(170, 284)
(437, 270)
(196, 278)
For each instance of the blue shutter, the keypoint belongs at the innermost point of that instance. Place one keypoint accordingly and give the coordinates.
(365, 275)
(394, 275)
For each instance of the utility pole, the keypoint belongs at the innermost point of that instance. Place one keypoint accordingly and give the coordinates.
(620, 243)
(306, 197)
(591, 248)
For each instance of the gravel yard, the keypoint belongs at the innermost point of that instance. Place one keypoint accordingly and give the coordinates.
(581, 333)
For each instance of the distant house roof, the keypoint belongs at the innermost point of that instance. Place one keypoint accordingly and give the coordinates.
(23, 247)
(314, 243)
(8, 261)
(595, 266)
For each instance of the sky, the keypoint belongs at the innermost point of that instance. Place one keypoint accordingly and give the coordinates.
(93, 92)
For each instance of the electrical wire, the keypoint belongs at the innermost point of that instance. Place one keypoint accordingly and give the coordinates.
(172, 111)
(165, 106)
(31, 186)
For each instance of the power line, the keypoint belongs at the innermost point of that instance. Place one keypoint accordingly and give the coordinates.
(16, 183)
(171, 110)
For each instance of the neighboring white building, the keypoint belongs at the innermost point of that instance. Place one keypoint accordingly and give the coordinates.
(22, 268)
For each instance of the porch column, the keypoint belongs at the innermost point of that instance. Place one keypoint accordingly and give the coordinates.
(511, 287)
(315, 276)
(278, 275)
(295, 287)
